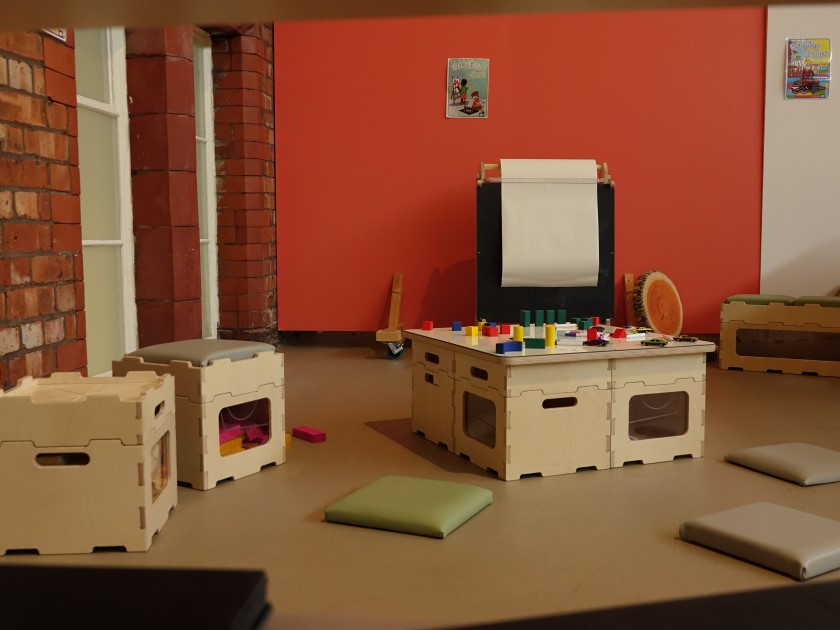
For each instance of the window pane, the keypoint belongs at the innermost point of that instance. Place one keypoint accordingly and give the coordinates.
(103, 307)
(199, 86)
(92, 72)
(201, 182)
(98, 174)
(207, 328)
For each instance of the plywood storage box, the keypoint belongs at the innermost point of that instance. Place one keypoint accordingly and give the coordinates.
(87, 462)
(230, 405)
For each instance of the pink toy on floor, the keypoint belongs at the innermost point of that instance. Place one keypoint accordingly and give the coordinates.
(309, 434)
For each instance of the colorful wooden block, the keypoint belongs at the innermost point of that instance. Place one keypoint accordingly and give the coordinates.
(309, 434)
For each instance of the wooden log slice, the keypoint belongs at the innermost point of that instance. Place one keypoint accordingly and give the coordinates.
(656, 303)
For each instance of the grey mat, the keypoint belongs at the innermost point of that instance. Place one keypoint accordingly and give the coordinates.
(795, 543)
(805, 464)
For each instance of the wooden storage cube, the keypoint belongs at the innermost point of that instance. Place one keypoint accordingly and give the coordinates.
(658, 369)
(557, 378)
(657, 423)
(432, 411)
(790, 349)
(433, 358)
(75, 487)
(207, 392)
(532, 433)
(480, 373)
(785, 314)
(204, 454)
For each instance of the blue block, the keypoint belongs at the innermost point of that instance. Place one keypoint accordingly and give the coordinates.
(508, 346)
(456, 326)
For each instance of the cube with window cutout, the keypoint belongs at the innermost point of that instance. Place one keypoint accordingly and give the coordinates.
(230, 405)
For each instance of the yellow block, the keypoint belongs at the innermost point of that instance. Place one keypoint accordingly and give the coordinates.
(471, 331)
(550, 335)
(518, 333)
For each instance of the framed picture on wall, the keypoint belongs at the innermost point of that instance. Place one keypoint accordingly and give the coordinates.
(808, 72)
(467, 82)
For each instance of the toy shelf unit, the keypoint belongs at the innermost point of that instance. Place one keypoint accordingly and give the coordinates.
(89, 462)
(780, 333)
(229, 405)
(559, 409)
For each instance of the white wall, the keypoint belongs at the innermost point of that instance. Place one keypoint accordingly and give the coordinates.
(800, 236)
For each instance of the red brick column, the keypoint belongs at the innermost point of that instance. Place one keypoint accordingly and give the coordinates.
(243, 95)
(161, 107)
(42, 319)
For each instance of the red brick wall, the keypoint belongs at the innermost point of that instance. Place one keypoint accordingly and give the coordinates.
(42, 320)
(161, 106)
(243, 81)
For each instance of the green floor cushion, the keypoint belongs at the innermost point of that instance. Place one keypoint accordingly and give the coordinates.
(795, 543)
(830, 301)
(411, 505)
(760, 298)
(805, 464)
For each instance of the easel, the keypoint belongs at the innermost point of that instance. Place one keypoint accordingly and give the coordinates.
(392, 336)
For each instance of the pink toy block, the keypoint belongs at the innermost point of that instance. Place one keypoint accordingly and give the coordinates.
(309, 434)
(428, 324)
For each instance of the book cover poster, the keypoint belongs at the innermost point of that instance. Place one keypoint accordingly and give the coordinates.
(467, 82)
(808, 68)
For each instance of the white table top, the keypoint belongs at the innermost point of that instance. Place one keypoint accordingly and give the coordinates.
(565, 351)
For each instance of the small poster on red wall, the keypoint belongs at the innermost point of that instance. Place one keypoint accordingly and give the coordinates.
(808, 68)
(467, 82)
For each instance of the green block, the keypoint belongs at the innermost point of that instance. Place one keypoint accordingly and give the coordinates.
(415, 506)
(561, 315)
(540, 318)
(549, 316)
(531, 342)
(525, 318)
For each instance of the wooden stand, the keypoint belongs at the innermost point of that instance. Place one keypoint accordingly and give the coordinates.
(393, 336)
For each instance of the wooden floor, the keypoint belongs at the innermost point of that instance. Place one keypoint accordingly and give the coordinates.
(547, 545)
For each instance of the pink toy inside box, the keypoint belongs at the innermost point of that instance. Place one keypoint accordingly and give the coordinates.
(88, 462)
(229, 405)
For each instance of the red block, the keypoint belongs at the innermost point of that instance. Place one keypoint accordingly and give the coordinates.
(428, 325)
(309, 434)
(504, 329)
(490, 331)
(592, 334)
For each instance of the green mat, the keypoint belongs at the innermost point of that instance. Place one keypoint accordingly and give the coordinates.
(411, 505)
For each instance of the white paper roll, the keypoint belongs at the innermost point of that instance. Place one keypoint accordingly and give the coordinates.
(549, 223)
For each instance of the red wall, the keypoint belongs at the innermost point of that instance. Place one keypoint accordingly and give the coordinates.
(373, 179)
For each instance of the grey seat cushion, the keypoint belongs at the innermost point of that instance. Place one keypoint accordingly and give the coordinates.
(411, 505)
(201, 352)
(795, 543)
(805, 464)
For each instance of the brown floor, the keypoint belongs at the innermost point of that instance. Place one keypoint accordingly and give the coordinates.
(546, 545)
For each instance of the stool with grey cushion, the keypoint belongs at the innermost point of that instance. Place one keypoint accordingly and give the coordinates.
(230, 405)
(805, 464)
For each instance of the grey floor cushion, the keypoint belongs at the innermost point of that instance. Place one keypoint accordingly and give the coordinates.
(411, 505)
(805, 464)
(795, 543)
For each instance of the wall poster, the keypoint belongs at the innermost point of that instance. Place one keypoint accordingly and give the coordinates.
(467, 83)
(808, 71)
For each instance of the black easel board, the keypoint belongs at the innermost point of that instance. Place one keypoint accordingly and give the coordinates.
(495, 303)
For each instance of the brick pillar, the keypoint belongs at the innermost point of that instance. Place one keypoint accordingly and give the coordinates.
(243, 82)
(161, 108)
(42, 319)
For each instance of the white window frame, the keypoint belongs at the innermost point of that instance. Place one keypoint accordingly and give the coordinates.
(210, 292)
(119, 110)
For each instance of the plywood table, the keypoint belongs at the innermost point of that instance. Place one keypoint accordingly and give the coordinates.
(561, 409)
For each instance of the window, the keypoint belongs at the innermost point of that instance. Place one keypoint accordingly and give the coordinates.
(105, 174)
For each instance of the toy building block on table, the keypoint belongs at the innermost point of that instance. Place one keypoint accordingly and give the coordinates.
(230, 405)
(781, 333)
(87, 462)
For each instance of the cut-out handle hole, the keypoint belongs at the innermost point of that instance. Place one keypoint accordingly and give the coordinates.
(62, 459)
(432, 358)
(159, 408)
(479, 373)
(430, 378)
(559, 403)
